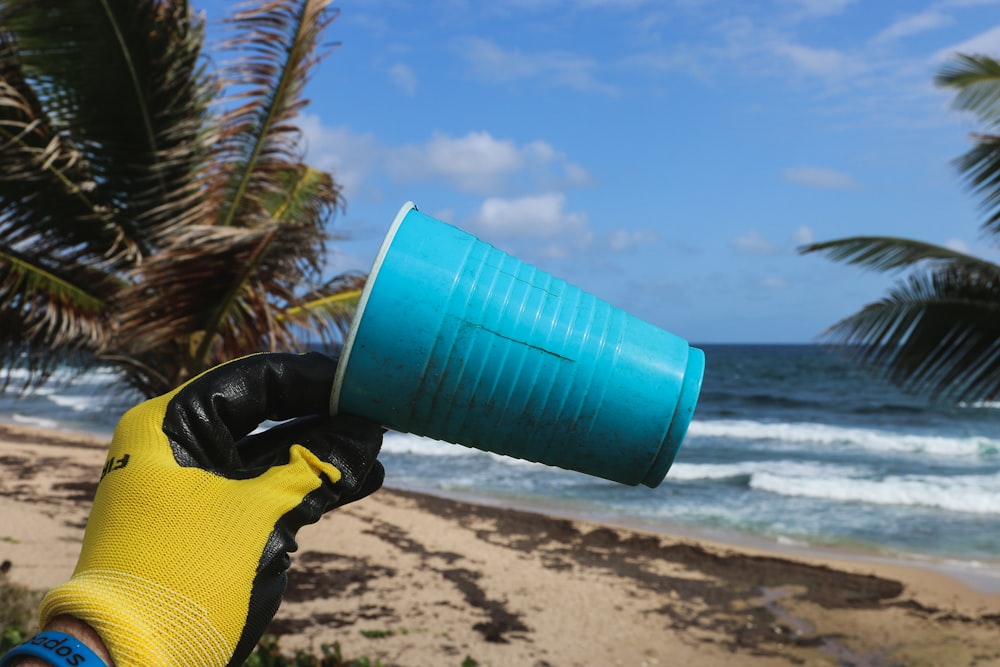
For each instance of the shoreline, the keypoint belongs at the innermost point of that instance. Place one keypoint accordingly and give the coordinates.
(977, 576)
(413, 578)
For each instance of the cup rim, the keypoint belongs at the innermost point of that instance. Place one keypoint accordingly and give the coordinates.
(352, 332)
(680, 421)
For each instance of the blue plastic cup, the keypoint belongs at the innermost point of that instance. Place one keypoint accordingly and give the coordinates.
(458, 341)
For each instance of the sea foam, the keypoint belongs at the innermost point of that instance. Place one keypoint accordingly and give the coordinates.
(978, 494)
(805, 433)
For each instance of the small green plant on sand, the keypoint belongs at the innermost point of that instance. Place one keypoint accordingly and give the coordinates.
(18, 607)
(387, 632)
(11, 637)
(268, 654)
(377, 634)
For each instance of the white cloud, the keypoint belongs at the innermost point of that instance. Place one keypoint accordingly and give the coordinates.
(476, 163)
(445, 215)
(546, 5)
(404, 78)
(563, 69)
(660, 62)
(539, 216)
(350, 156)
(969, 3)
(824, 62)
(624, 239)
(617, 4)
(752, 243)
(479, 163)
(338, 262)
(803, 236)
(987, 43)
(821, 177)
(821, 7)
(913, 24)
(958, 245)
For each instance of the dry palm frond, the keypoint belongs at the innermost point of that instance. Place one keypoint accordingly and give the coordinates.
(121, 79)
(220, 287)
(139, 223)
(47, 190)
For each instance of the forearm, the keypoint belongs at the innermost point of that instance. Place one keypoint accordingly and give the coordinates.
(75, 628)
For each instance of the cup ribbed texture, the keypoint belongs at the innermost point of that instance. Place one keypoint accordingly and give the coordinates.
(461, 342)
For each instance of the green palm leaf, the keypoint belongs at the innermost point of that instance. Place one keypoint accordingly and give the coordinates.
(25, 285)
(938, 331)
(303, 196)
(326, 314)
(885, 253)
(61, 306)
(976, 80)
(981, 169)
(935, 333)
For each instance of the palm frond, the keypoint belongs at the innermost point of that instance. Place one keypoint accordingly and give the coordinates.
(139, 223)
(47, 190)
(29, 287)
(216, 293)
(305, 195)
(278, 42)
(976, 80)
(980, 167)
(936, 333)
(123, 80)
(143, 372)
(885, 253)
(285, 255)
(325, 314)
(50, 312)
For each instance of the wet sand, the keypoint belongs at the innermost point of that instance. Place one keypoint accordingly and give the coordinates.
(415, 580)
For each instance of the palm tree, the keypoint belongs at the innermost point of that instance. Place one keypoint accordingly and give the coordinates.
(155, 213)
(937, 331)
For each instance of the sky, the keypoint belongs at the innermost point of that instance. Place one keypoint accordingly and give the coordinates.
(668, 156)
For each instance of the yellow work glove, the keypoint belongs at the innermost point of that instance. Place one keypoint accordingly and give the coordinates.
(184, 557)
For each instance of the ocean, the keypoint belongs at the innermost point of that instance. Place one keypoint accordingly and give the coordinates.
(791, 445)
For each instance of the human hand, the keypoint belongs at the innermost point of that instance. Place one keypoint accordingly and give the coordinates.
(185, 553)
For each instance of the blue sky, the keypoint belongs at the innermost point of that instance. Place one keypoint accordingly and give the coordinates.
(666, 155)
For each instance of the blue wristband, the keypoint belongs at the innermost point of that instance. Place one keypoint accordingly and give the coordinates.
(57, 649)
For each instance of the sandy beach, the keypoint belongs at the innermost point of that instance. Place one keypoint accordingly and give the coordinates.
(417, 580)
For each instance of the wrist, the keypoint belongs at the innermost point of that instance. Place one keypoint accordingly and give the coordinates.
(76, 630)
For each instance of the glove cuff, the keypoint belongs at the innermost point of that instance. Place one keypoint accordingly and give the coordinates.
(142, 623)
